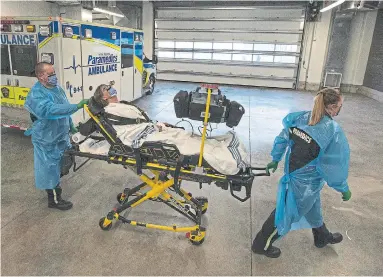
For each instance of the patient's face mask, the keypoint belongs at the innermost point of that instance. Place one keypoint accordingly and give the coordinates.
(110, 95)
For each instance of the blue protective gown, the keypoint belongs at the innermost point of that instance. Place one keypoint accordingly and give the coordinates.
(50, 132)
(298, 198)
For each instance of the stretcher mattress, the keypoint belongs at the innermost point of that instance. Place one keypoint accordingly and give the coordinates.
(225, 153)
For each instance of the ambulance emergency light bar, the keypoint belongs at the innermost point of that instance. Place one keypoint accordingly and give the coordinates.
(108, 12)
(333, 5)
(18, 28)
(8, 21)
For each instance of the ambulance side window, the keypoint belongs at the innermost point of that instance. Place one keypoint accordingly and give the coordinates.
(126, 55)
(5, 65)
(24, 59)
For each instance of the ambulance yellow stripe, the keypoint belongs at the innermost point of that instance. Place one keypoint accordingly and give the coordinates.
(138, 64)
(45, 41)
(111, 45)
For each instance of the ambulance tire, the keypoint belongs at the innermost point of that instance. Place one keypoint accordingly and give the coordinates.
(152, 81)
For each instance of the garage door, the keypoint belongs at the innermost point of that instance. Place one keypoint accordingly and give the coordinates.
(256, 46)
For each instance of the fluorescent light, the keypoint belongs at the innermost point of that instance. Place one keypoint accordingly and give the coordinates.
(329, 7)
(108, 12)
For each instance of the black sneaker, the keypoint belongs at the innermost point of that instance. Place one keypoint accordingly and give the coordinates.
(271, 252)
(61, 205)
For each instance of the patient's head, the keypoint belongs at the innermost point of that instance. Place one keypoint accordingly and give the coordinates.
(105, 94)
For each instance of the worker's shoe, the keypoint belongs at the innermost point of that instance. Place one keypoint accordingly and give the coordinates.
(271, 252)
(322, 237)
(55, 200)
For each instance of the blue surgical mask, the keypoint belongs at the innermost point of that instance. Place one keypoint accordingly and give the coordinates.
(52, 80)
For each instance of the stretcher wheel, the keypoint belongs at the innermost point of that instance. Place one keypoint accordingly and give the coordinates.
(121, 197)
(204, 203)
(195, 237)
(194, 242)
(101, 224)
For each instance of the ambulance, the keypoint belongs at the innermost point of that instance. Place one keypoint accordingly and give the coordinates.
(83, 54)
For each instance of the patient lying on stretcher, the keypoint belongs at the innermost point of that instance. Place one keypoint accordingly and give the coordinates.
(225, 153)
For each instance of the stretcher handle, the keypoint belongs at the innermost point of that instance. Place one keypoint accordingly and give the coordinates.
(259, 174)
(248, 192)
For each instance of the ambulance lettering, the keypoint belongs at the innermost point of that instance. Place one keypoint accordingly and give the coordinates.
(102, 64)
(18, 39)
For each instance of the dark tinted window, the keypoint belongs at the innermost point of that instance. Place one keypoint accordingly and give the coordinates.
(5, 65)
(126, 55)
(24, 58)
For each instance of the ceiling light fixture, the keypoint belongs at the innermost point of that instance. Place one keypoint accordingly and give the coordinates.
(333, 5)
(108, 12)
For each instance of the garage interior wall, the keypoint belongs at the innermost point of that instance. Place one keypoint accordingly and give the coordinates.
(33, 8)
(148, 28)
(373, 81)
(257, 46)
(314, 52)
(359, 48)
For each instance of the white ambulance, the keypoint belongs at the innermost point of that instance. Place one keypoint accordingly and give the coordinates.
(84, 56)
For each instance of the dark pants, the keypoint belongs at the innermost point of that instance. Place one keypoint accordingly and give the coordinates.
(269, 234)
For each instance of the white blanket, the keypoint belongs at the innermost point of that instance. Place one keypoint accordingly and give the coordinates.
(224, 153)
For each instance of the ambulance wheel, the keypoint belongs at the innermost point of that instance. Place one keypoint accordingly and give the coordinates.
(101, 224)
(204, 202)
(152, 81)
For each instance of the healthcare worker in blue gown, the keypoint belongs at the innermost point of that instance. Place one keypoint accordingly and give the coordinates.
(51, 111)
(317, 152)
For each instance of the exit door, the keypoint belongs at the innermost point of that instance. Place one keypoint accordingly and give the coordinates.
(127, 66)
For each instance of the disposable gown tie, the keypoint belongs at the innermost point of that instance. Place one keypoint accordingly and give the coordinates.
(298, 197)
(50, 132)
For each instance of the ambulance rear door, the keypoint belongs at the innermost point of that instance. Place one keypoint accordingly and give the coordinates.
(71, 64)
(101, 57)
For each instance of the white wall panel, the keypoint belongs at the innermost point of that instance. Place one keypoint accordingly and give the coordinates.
(29, 8)
(148, 28)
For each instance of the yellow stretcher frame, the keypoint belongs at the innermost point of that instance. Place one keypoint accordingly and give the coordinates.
(160, 187)
(159, 191)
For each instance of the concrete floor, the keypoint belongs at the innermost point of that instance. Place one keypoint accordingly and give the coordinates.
(36, 240)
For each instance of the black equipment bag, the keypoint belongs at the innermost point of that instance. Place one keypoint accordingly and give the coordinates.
(192, 105)
(217, 110)
(181, 104)
(235, 113)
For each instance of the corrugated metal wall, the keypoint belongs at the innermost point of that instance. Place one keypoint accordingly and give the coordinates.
(258, 46)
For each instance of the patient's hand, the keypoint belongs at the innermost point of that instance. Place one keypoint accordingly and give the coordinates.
(161, 126)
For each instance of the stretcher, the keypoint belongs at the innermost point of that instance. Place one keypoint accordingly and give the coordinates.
(162, 169)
